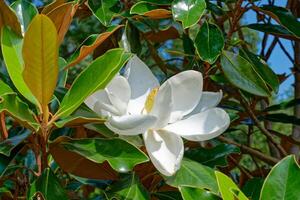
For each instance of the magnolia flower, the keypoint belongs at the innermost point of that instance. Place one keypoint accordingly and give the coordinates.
(136, 104)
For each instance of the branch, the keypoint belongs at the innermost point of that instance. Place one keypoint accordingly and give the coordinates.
(268, 159)
(3, 126)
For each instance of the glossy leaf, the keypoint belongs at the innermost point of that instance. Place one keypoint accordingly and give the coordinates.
(228, 188)
(188, 12)
(9, 144)
(62, 17)
(93, 78)
(40, 53)
(103, 10)
(6, 161)
(209, 42)
(73, 163)
(11, 45)
(283, 17)
(273, 29)
(150, 10)
(216, 156)
(283, 105)
(262, 69)
(190, 193)
(91, 43)
(25, 12)
(282, 181)
(5, 89)
(282, 118)
(11, 104)
(121, 155)
(129, 187)
(47, 186)
(9, 18)
(242, 74)
(168, 195)
(194, 174)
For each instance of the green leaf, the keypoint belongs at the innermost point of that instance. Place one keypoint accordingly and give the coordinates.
(282, 118)
(284, 17)
(283, 181)
(188, 12)
(253, 187)
(11, 45)
(228, 188)
(130, 188)
(104, 10)
(63, 74)
(40, 53)
(209, 42)
(6, 161)
(25, 12)
(47, 186)
(242, 74)
(194, 174)
(190, 193)
(93, 78)
(121, 155)
(5, 89)
(168, 195)
(9, 144)
(159, 2)
(262, 69)
(283, 105)
(18, 110)
(212, 157)
(273, 29)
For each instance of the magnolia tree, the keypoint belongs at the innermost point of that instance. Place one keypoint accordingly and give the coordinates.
(94, 121)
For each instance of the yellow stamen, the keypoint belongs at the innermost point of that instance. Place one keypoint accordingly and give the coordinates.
(150, 100)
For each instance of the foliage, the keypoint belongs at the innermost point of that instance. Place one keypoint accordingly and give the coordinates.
(56, 55)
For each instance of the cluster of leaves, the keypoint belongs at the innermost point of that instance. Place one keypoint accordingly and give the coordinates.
(54, 147)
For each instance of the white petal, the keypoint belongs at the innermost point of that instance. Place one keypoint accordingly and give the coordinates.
(162, 106)
(208, 100)
(119, 93)
(202, 126)
(165, 150)
(100, 103)
(130, 124)
(141, 81)
(186, 92)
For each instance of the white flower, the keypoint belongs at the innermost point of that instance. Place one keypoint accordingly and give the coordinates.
(137, 104)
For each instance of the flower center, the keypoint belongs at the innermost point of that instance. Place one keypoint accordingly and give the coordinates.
(150, 100)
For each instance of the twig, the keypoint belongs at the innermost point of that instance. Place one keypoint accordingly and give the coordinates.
(263, 129)
(268, 159)
(3, 126)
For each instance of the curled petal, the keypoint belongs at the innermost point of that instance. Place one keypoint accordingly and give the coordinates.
(202, 126)
(165, 150)
(130, 124)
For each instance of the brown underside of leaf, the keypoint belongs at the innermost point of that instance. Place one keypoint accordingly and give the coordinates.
(162, 36)
(78, 165)
(9, 18)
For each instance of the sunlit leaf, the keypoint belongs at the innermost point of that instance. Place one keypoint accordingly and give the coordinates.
(190, 193)
(121, 155)
(150, 10)
(282, 182)
(188, 12)
(93, 78)
(209, 42)
(194, 174)
(228, 188)
(242, 74)
(11, 45)
(40, 53)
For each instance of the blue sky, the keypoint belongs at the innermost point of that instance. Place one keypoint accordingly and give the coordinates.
(278, 60)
